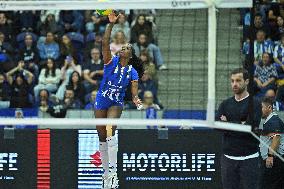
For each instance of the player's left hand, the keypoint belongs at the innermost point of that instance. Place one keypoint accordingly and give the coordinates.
(269, 162)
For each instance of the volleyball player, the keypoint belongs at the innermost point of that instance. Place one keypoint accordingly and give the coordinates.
(119, 71)
(239, 162)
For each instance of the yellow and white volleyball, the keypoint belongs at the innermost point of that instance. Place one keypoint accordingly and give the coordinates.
(104, 12)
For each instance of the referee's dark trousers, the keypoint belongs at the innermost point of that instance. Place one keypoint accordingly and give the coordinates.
(272, 178)
(240, 174)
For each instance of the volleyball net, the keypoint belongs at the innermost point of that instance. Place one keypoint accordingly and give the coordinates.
(192, 46)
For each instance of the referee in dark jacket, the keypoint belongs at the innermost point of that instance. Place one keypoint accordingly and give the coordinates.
(240, 159)
(272, 136)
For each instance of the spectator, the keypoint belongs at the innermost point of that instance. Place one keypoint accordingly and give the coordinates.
(272, 136)
(148, 65)
(48, 49)
(258, 25)
(277, 105)
(261, 46)
(75, 83)
(118, 41)
(278, 55)
(123, 26)
(96, 43)
(148, 101)
(91, 103)
(265, 75)
(70, 65)
(27, 20)
(20, 86)
(93, 71)
(4, 92)
(141, 26)
(147, 84)
(280, 28)
(29, 54)
(44, 100)
(5, 27)
(71, 21)
(49, 79)
(70, 101)
(154, 51)
(6, 53)
(49, 23)
(96, 23)
(66, 48)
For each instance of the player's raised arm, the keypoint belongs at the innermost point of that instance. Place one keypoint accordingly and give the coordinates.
(106, 39)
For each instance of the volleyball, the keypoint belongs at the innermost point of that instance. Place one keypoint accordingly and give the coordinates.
(105, 12)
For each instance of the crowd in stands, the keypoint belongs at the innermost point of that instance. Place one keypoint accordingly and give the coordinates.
(267, 37)
(52, 59)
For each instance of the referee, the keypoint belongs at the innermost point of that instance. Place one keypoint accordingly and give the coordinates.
(240, 158)
(272, 136)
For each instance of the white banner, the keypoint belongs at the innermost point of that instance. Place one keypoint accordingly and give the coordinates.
(119, 4)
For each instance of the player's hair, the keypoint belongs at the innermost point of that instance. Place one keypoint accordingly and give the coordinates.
(241, 70)
(268, 100)
(136, 63)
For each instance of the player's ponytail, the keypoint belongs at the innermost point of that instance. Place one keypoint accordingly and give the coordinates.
(136, 63)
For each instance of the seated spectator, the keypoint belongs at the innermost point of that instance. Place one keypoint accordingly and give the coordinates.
(91, 103)
(261, 46)
(141, 26)
(5, 27)
(118, 41)
(29, 54)
(278, 55)
(153, 50)
(148, 101)
(75, 83)
(70, 101)
(280, 28)
(49, 79)
(21, 83)
(44, 101)
(6, 54)
(277, 105)
(148, 65)
(93, 71)
(4, 92)
(96, 43)
(66, 48)
(123, 26)
(96, 23)
(27, 20)
(251, 32)
(265, 75)
(147, 84)
(48, 49)
(71, 21)
(70, 65)
(49, 23)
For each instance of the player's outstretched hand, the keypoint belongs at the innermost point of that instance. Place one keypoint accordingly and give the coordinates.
(113, 18)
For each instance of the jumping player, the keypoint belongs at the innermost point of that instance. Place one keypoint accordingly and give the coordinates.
(119, 71)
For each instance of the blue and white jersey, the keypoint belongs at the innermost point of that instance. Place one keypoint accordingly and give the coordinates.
(116, 79)
(260, 48)
(279, 52)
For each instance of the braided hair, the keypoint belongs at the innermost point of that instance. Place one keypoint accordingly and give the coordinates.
(136, 63)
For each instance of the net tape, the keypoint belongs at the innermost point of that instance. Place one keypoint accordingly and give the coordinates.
(121, 4)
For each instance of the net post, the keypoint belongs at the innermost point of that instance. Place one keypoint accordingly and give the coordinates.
(212, 33)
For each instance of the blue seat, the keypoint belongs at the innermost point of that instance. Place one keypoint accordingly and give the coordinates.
(90, 37)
